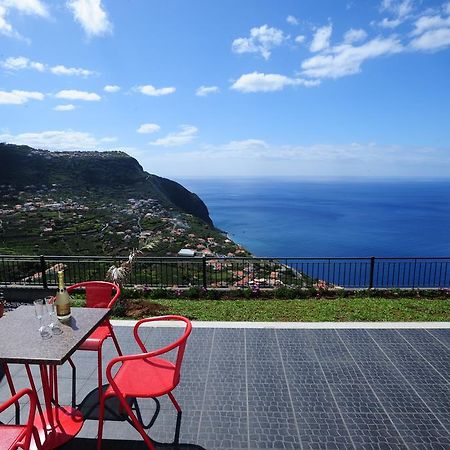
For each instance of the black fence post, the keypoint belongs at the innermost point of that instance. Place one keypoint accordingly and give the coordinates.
(372, 268)
(205, 281)
(43, 271)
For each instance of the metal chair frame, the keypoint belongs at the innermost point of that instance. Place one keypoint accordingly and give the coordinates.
(23, 439)
(93, 301)
(145, 387)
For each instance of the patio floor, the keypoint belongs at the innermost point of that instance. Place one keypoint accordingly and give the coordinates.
(248, 388)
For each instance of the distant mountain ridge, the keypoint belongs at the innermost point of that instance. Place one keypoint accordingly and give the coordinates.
(111, 174)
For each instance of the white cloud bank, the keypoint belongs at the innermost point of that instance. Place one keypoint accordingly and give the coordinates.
(66, 140)
(255, 157)
(22, 63)
(186, 135)
(150, 90)
(261, 40)
(91, 15)
(73, 94)
(271, 82)
(17, 97)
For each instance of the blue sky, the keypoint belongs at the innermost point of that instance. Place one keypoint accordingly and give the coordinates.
(233, 88)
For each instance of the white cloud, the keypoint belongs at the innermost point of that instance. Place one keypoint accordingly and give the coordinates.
(389, 23)
(446, 8)
(244, 145)
(346, 59)
(111, 88)
(262, 40)
(187, 134)
(147, 128)
(5, 27)
(91, 15)
(29, 7)
(22, 63)
(73, 94)
(261, 82)
(16, 63)
(292, 20)
(321, 39)
(17, 97)
(64, 108)
(203, 91)
(426, 23)
(432, 40)
(255, 157)
(431, 32)
(300, 39)
(56, 140)
(354, 35)
(63, 70)
(399, 8)
(148, 89)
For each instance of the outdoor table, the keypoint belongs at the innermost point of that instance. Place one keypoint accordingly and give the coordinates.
(21, 343)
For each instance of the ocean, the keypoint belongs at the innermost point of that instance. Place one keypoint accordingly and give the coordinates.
(351, 218)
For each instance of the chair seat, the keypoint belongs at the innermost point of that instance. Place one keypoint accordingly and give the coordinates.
(150, 377)
(95, 340)
(10, 434)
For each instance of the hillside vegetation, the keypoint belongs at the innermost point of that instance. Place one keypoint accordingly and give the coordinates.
(81, 203)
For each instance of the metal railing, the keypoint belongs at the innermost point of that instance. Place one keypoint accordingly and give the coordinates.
(223, 272)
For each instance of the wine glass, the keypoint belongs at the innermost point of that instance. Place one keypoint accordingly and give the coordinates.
(39, 311)
(54, 325)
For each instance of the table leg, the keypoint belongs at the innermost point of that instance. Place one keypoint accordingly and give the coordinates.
(57, 424)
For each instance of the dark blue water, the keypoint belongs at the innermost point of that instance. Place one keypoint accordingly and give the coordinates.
(274, 217)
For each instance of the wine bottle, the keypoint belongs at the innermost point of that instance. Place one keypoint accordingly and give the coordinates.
(62, 300)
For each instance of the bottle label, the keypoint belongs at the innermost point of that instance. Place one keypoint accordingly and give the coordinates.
(62, 310)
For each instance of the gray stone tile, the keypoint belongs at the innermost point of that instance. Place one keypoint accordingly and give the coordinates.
(223, 430)
(421, 430)
(400, 399)
(342, 372)
(356, 399)
(323, 430)
(273, 430)
(369, 430)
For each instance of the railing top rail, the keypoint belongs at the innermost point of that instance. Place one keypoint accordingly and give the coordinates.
(236, 258)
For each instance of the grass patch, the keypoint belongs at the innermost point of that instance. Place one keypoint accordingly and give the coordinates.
(312, 310)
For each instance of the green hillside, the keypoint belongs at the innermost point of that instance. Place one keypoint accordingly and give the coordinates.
(97, 203)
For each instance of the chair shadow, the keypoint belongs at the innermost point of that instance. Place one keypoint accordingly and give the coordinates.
(89, 407)
(114, 444)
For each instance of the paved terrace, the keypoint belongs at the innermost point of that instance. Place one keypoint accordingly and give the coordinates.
(278, 388)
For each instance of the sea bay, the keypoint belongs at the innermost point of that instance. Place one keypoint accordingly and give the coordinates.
(355, 217)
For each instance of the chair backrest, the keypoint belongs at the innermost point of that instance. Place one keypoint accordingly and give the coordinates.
(179, 345)
(24, 438)
(99, 294)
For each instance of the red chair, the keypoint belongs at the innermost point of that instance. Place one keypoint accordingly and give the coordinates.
(19, 436)
(99, 294)
(145, 375)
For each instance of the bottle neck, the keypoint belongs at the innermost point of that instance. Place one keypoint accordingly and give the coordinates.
(61, 286)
